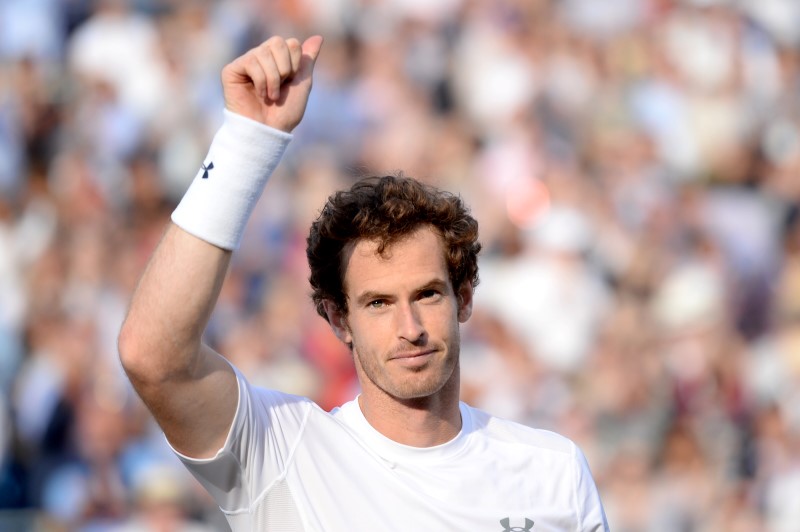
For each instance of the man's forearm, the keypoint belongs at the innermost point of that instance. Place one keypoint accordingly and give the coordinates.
(171, 307)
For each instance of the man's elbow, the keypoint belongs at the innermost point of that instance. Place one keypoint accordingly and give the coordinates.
(131, 351)
(141, 358)
(152, 360)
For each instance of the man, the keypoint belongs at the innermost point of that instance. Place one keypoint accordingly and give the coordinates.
(393, 267)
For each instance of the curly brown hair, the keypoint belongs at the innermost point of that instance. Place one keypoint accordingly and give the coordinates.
(386, 209)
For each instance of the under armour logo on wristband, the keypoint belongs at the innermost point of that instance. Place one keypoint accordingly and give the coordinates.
(207, 168)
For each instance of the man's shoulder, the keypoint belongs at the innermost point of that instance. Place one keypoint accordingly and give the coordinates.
(504, 430)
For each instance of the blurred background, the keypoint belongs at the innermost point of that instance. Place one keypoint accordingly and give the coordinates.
(634, 166)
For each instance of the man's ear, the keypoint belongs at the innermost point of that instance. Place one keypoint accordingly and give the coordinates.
(338, 321)
(464, 297)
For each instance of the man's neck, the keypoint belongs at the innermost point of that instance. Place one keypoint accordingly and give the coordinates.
(423, 422)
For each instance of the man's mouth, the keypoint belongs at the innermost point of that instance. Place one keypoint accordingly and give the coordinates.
(413, 358)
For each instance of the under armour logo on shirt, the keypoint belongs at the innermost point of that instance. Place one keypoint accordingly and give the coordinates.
(207, 168)
(508, 528)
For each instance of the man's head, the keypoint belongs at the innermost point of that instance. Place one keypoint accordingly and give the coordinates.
(384, 210)
(393, 266)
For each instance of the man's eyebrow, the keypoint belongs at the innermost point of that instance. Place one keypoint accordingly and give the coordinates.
(370, 295)
(439, 284)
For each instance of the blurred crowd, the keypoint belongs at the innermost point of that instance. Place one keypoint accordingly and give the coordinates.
(634, 166)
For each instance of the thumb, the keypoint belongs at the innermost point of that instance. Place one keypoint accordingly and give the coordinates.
(310, 48)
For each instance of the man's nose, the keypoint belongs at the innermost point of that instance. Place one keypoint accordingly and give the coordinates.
(409, 323)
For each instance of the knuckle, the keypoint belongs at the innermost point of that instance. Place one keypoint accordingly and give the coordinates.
(253, 67)
(272, 40)
(284, 69)
(275, 43)
(272, 75)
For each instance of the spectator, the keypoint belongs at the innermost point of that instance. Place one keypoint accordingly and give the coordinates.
(658, 320)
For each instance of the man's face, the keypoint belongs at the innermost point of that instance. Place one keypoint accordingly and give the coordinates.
(403, 316)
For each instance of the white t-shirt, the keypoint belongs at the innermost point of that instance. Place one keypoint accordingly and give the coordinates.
(287, 465)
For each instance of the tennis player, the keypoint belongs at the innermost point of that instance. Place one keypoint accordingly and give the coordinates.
(393, 267)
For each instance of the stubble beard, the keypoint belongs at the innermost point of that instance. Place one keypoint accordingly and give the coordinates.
(408, 384)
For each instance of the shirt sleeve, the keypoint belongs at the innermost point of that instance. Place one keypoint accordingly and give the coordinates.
(591, 514)
(259, 446)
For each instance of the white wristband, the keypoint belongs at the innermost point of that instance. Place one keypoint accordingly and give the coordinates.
(218, 203)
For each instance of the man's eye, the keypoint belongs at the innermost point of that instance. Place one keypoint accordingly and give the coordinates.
(378, 303)
(426, 294)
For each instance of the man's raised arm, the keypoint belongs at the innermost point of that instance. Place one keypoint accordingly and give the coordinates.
(191, 390)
